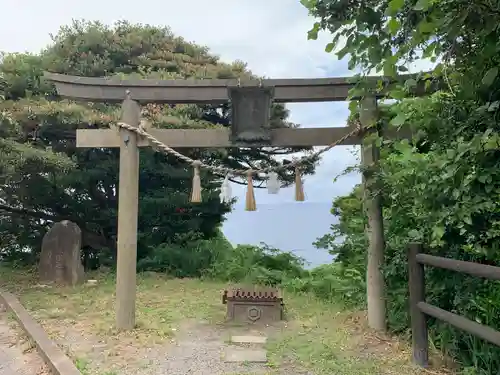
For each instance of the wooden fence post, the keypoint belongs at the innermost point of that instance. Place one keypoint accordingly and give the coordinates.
(128, 207)
(416, 284)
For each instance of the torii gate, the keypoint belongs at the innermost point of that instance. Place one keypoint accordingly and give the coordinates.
(251, 101)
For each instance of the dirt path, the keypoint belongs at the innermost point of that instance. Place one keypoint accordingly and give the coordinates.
(198, 348)
(17, 355)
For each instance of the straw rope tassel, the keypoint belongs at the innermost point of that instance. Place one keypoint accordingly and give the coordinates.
(196, 191)
(299, 188)
(250, 204)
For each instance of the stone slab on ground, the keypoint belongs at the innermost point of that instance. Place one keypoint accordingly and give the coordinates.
(58, 362)
(249, 339)
(236, 354)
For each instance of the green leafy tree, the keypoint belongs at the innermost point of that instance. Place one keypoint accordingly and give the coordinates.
(387, 35)
(440, 187)
(45, 178)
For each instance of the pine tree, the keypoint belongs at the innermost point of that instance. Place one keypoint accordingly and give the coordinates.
(45, 178)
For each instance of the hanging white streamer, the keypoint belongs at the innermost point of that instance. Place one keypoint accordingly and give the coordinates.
(225, 191)
(273, 184)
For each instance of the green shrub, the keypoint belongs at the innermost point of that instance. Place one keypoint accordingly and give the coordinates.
(331, 282)
(441, 190)
(261, 264)
(189, 259)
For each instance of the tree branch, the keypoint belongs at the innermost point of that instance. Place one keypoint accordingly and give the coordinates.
(89, 238)
(28, 212)
(259, 186)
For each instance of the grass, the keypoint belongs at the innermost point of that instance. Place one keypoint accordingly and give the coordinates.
(317, 336)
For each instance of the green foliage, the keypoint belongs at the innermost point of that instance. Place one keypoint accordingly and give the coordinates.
(268, 266)
(331, 282)
(44, 178)
(442, 186)
(259, 264)
(386, 35)
(441, 189)
(218, 259)
(192, 259)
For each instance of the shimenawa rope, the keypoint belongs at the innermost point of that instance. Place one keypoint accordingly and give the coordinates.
(197, 164)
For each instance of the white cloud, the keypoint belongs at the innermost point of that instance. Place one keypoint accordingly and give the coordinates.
(270, 36)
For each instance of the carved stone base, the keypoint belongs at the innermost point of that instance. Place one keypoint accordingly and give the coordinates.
(253, 305)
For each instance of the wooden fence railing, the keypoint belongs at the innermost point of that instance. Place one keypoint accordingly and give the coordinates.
(419, 309)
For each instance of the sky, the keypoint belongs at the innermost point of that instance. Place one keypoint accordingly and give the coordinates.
(271, 36)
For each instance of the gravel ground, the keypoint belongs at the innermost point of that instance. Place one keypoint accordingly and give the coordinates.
(17, 356)
(197, 349)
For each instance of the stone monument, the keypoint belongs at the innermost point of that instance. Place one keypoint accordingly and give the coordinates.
(60, 258)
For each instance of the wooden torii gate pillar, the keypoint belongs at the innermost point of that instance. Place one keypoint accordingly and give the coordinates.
(135, 92)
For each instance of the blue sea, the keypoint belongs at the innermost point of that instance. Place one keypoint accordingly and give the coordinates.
(290, 227)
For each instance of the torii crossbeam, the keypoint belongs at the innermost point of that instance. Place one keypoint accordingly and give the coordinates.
(134, 93)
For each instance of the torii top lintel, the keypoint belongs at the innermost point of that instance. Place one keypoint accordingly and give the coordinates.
(214, 91)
